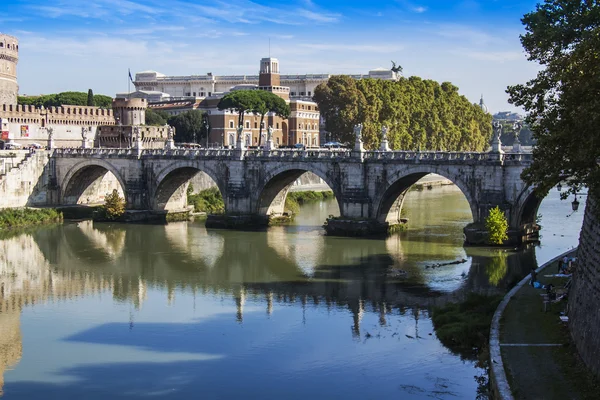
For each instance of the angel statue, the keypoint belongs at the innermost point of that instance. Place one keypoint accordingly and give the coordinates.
(384, 131)
(358, 131)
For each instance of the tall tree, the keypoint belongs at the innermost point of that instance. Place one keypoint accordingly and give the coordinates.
(562, 100)
(269, 102)
(154, 118)
(188, 126)
(90, 98)
(419, 114)
(341, 103)
(242, 101)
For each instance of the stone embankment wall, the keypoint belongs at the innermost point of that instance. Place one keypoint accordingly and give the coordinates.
(584, 299)
(27, 183)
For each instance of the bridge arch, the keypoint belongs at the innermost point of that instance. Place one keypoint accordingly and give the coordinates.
(89, 181)
(171, 184)
(388, 204)
(271, 195)
(527, 206)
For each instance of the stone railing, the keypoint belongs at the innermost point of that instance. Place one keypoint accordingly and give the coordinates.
(426, 156)
(297, 154)
(291, 154)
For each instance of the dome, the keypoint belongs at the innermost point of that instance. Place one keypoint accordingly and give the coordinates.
(483, 106)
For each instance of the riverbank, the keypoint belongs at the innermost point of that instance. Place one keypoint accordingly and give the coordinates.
(23, 217)
(533, 354)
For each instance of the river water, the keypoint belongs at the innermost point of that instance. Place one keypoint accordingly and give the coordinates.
(100, 311)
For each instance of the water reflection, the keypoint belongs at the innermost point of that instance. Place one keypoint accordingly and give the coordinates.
(290, 301)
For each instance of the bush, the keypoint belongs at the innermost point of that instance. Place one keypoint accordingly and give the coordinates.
(17, 217)
(114, 206)
(209, 201)
(496, 226)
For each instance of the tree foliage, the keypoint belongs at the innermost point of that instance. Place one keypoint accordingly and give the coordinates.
(562, 101)
(419, 114)
(269, 102)
(242, 101)
(155, 118)
(114, 205)
(90, 98)
(189, 126)
(496, 226)
(65, 98)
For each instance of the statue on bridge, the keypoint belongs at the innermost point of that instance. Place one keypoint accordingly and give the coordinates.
(385, 146)
(239, 141)
(269, 144)
(517, 126)
(358, 144)
(85, 143)
(496, 143)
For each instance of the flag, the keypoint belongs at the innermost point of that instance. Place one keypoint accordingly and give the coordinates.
(130, 77)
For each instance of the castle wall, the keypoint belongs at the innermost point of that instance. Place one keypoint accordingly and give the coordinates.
(584, 296)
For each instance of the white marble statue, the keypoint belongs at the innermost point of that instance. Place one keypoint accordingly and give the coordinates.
(170, 133)
(240, 130)
(384, 131)
(84, 133)
(269, 133)
(358, 131)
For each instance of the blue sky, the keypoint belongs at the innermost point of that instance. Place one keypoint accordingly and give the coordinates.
(78, 44)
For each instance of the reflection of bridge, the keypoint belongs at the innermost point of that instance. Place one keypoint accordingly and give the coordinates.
(368, 185)
(82, 259)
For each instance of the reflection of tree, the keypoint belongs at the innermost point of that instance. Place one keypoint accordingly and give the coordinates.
(497, 267)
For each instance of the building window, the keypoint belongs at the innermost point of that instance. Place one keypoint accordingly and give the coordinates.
(201, 94)
(231, 124)
(209, 94)
(194, 94)
(277, 125)
(247, 124)
(292, 93)
(255, 140)
(309, 93)
(302, 94)
(255, 125)
(277, 140)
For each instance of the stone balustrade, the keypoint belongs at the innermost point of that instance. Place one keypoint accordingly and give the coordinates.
(299, 154)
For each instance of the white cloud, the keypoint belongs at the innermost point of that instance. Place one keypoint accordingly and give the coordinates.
(495, 56)
(419, 9)
(365, 48)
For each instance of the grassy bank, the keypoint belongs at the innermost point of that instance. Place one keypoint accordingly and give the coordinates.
(294, 200)
(464, 328)
(20, 217)
(209, 201)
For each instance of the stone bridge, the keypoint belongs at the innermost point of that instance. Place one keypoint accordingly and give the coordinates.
(370, 186)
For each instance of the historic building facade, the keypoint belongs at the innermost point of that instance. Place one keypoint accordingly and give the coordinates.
(301, 127)
(200, 86)
(9, 57)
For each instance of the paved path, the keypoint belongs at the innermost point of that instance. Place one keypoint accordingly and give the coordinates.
(540, 359)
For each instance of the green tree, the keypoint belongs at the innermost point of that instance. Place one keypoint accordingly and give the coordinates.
(65, 98)
(154, 118)
(562, 101)
(269, 102)
(242, 101)
(341, 103)
(419, 114)
(90, 98)
(189, 126)
(496, 226)
(114, 205)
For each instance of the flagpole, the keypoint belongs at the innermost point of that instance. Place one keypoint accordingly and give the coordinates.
(129, 81)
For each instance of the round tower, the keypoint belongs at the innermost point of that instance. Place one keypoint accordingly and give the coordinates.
(9, 57)
(130, 111)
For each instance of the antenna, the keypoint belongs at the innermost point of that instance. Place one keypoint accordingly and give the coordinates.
(269, 47)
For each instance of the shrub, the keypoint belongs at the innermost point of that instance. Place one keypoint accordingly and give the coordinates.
(496, 226)
(114, 206)
(209, 201)
(16, 217)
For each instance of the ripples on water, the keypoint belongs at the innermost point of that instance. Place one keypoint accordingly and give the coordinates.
(179, 311)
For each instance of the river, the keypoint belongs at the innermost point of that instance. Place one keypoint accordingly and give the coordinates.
(100, 311)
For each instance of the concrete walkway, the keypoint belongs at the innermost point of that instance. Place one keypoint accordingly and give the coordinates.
(539, 358)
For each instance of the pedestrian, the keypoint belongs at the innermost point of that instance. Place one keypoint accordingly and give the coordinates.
(533, 277)
(560, 266)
